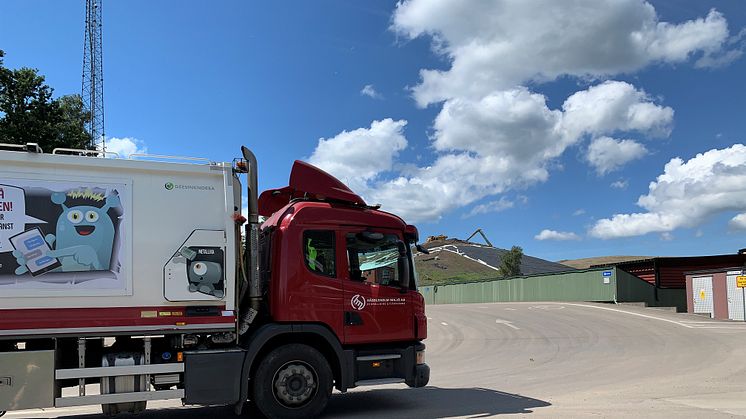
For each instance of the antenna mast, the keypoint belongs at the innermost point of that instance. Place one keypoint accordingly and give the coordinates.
(93, 75)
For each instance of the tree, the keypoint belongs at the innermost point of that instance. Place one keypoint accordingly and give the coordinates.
(510, 265)
(29, 113)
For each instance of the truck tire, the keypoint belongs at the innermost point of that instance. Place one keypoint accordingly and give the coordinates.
(2, 413)
(292, 381)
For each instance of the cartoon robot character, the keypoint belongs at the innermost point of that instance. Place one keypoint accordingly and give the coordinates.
(84, 237)
(204, 270)
(204, 277)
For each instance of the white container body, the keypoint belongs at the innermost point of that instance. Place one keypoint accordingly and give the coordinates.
(116, 225)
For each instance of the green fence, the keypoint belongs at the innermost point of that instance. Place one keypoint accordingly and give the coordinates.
(581, 285)
(597, 284)
(633, 289)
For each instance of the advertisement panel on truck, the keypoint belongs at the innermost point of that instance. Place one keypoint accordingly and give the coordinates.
(63, 237)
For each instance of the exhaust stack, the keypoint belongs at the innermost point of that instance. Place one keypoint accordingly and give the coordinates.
(252, 239)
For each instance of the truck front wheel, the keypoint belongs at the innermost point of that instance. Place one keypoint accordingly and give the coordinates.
(292, 381)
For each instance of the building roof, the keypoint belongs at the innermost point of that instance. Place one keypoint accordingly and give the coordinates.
(492, 256)
(670, 272)
(736, 258)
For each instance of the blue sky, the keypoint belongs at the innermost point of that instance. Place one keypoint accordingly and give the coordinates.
(482, 141)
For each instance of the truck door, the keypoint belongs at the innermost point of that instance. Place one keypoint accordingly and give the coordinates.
(376, 309)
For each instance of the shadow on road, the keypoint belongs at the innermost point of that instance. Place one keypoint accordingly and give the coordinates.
(430, 402)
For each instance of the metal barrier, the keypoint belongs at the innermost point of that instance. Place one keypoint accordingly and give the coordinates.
(597, 284)
(581, 285)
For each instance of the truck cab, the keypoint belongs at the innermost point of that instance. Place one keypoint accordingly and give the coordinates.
(334, 264)
(341, 263)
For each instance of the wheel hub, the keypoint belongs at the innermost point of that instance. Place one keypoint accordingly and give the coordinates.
(295, 383)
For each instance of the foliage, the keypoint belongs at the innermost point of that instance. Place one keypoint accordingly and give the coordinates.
(29, 113)
(510, 265)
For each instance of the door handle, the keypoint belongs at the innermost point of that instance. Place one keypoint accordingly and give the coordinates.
(353, 319)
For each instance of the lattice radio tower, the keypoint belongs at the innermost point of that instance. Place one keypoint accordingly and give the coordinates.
(93, 74)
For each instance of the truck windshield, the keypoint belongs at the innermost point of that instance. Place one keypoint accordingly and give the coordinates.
(374, 263)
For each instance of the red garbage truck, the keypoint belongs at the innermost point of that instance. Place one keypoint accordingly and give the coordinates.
(138, 279)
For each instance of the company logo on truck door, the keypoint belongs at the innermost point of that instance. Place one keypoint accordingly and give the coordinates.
(358, 302)
(171, 186)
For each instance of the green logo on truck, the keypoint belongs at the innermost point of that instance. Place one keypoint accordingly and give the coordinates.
(170, 186)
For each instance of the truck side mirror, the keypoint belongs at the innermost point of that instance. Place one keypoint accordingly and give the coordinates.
(402, 263)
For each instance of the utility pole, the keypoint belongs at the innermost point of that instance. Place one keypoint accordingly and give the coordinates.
(93, 75)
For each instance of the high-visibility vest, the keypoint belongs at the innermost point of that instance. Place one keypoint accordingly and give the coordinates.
(312, 253)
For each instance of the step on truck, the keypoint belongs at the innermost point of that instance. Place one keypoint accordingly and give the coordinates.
(129, 280)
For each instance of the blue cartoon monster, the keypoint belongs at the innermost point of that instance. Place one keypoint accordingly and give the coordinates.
(84, 237)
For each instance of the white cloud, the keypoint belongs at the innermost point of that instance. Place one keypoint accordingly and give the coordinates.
(504, 141)
(615, 106)
(620, 184)
(370, 91)
(556, 235)
(358, 156)
(738, 222)
(737, 45)
(686, 195)
(606, 154)
(514, 123)
(509, 139)
(452, 181)
(499, 44)
(493, 206)
(667, 237)
(492, 133)
(125, 146)
(578, 212)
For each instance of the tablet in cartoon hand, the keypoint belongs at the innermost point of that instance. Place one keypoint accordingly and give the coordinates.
(32, 253)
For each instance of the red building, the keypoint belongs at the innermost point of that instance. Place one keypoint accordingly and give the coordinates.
(670, 272)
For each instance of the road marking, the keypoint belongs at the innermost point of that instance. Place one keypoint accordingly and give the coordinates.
(510, 309)
(444, 323)
(546, 307)
(725, 326)
(633, 314)
(507, 323)
(429, 318)
(715, 325)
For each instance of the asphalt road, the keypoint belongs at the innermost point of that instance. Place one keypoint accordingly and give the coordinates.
(547, 360)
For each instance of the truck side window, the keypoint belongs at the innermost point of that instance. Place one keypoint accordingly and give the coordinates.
(318, 252)
(374, 262)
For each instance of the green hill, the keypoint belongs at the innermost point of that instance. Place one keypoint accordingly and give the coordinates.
(440, 267)
(600, 260)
